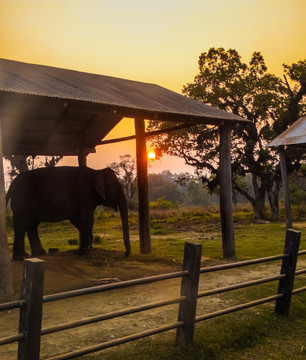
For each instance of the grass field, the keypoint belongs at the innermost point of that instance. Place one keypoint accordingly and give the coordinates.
(253, 334)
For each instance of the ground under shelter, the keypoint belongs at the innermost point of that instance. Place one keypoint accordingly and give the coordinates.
(53, 111)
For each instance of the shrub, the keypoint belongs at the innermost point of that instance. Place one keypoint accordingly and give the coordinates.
(72, 241)
(161, 203)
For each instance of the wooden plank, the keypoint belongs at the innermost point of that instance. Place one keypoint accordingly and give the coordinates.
(189, 288)
(6, 283)
(285, 285)
(147, 134)
(143, 188)
(226, 212)
(31, 313)
(283, 165)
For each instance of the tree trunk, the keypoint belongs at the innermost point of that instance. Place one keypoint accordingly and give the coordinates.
(225, 179)
(259, 203)
(273, 196)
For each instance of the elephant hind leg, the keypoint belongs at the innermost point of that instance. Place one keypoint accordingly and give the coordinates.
(19, 252)
(35, 243)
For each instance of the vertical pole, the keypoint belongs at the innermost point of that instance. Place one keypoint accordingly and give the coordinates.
(226, 211)
(31, 312)
(283, 165)
(82, 158)
(189, 288)
(143, 189)
(6, 282)
(285, 285)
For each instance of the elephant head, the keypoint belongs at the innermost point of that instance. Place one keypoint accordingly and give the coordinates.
(110, 192)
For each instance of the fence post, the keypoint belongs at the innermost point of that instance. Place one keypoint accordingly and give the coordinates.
(189, 288)
(285, 285)
(31, 312)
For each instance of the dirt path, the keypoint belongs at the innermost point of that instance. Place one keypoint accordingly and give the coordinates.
(92, 271)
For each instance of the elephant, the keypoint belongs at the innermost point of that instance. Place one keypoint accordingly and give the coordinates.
(63, 193)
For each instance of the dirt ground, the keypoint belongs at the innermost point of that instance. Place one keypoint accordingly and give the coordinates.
(68, 270)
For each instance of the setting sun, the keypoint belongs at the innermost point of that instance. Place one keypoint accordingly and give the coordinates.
(151, 155)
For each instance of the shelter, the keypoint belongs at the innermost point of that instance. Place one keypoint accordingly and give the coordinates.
(52, 111)
(295, 135)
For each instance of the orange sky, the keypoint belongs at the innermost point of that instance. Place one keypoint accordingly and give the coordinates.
(157, 42)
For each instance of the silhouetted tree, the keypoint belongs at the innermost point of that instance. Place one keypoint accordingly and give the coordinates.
(22, 163)
(126, 171)
(248, 90)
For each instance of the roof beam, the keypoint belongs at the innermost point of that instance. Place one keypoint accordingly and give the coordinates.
(142, 113)
(51, 150)
(147, 134)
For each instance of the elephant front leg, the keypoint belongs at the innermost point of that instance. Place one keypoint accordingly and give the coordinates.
(85, 238)
(85, 233)
(35, 243)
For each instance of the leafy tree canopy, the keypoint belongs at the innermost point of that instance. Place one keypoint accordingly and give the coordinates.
(248, 90)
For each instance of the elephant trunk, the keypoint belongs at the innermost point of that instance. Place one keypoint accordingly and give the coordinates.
(123, 208)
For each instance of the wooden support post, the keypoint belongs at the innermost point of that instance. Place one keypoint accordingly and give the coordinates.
(143, 189)
(31, 312)
(82, 158)
(189, 288)
(285, 285)
(226, 211)
(6, 282)
(283, 165)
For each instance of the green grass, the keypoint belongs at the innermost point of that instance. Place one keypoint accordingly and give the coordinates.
(253, 334)
(169, 230)
(250, 334)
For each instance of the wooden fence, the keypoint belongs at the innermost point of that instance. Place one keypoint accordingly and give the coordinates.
(32, 299)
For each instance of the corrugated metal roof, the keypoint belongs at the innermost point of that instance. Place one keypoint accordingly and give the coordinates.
(47, 110)
(75, 85)
(294, 135)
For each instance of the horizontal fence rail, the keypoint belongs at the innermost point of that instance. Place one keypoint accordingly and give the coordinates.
(111, 315)
(238, 307)
(299, 290)
(240, 285)
(12, 305)
(11, 339)
(115, 286)
(119, 341)
(242, 263)
(186, 301)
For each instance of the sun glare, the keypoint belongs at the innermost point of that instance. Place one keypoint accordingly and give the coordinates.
(151, 155)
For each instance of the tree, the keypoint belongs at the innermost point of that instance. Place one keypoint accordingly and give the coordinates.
(22, 163)
(164, 185)
(126, 171)
(248, 90)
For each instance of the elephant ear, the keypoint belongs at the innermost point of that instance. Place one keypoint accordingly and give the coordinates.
(99, 186)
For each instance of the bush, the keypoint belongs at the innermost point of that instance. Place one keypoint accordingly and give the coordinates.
(297, 195)
(72, 241)
(161, 203)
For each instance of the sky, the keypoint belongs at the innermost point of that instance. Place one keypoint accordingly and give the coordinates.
(156, 41)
